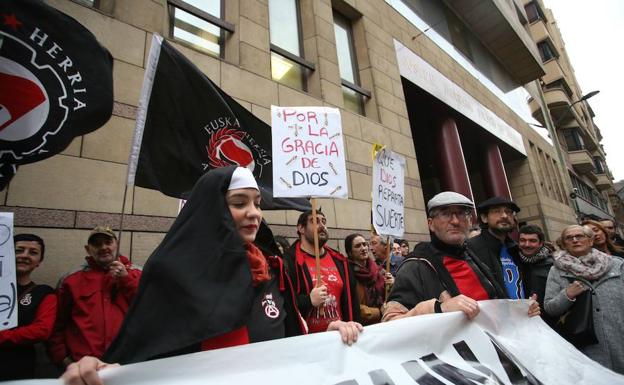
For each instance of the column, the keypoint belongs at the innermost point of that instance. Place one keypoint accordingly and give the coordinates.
(451, 163)
(494, 176)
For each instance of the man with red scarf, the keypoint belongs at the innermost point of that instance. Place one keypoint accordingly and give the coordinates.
(335, 297)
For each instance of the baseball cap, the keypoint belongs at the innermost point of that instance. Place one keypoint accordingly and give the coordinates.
(105, 230)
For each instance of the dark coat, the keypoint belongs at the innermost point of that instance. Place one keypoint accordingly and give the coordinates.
(300, 275)
(487, 248)
(418, 281)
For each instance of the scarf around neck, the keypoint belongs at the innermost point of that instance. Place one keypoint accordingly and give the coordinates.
(372, 278)
(258, 264)
(542, 254)
(591, 266)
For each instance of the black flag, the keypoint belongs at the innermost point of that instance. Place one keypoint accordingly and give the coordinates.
(186, 125)
(56, 83)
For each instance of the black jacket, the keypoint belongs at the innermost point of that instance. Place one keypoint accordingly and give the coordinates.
(535, 278)
(418, 281)
(299, 274)
(487, 248)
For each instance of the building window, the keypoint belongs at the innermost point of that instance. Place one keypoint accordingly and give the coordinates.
(287, 63)
(352, 93)
(533, 12)
(199, 23)
(459, 34)
(573, 140)
(598, 165)
(546, 50)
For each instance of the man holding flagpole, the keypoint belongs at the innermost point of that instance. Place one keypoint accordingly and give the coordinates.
(335, 298)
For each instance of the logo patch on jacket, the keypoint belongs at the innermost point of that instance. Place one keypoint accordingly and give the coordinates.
(270, 308)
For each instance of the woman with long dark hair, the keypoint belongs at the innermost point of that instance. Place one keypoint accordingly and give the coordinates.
(602, 241)
(371, 279)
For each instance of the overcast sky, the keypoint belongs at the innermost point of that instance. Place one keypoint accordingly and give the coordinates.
(593, 32)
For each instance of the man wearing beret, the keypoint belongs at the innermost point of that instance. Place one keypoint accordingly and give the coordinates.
(444, 275)
(496, 249)
(93, 300)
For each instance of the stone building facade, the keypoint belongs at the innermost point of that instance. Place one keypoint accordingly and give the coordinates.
(444, 83)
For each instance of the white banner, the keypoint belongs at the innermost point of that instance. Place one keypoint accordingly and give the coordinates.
(501, 346)
(308, 152)
(388, 193)
(8, 286)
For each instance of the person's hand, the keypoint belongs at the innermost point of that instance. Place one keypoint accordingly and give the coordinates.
(534, 308)
(349, 331)
(117, 269)
(318, 295)
(467, 305)
(389, 279)
(85, 372)
(575, 289)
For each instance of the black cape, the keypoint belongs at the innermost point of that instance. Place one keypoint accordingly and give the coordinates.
(196, 285)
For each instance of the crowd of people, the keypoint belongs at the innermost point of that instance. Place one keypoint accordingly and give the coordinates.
(221, 278)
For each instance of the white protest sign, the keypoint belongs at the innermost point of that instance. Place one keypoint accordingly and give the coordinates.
(308, 152)
(501, 346)
(8, 286)
(389, 193)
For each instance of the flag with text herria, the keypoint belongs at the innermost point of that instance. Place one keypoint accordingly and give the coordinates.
(186, 126)
(56, 83)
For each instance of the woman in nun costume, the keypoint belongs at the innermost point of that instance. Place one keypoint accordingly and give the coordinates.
(208, 285)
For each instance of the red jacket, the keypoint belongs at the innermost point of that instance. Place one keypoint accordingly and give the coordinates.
(91, 308)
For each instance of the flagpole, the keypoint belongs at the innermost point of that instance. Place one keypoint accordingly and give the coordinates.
(387, 264)
(316, 243)
(121, 224)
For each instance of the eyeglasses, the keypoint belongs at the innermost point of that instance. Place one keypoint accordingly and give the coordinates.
(447, 215)
(576, 237)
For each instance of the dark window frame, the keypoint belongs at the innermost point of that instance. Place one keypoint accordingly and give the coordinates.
(533, 17)
(547, 50)
(216, 21)
(298, 59)
(353, 86)
(572, 139)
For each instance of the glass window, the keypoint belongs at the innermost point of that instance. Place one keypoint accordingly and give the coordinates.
(194, 29)
(347, 64)
(284, 25)
(598, 165)
(286, 71)
(546, 51)
(573, 140)
(285, 36)
(532, 12)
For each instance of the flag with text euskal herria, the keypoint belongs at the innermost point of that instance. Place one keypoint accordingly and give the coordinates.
(56, 83)
(186, 126)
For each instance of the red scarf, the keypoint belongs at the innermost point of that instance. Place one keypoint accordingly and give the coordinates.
(372, 277)
(258, 264)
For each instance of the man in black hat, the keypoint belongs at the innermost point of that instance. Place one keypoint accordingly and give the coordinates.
(495, 248)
